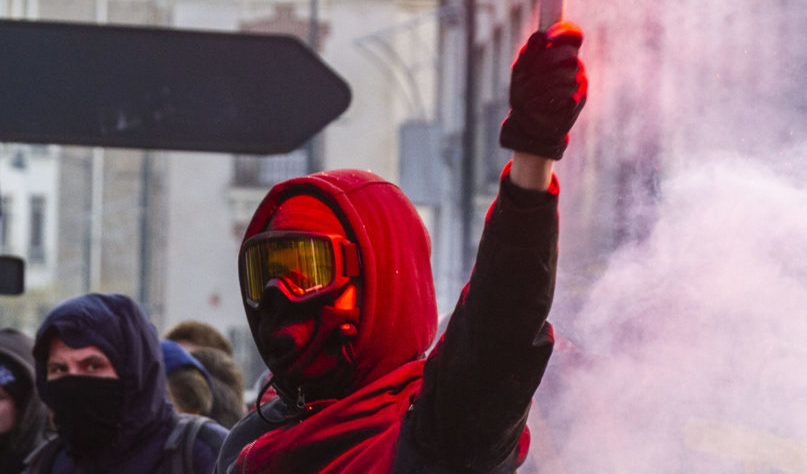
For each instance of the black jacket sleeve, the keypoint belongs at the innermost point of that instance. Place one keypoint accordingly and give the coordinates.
(247, 430)
(478, 384)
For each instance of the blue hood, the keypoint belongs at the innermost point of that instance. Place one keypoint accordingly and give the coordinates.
(116, 325)
(175, 357)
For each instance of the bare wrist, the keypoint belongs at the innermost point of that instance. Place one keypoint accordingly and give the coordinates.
(530, 171)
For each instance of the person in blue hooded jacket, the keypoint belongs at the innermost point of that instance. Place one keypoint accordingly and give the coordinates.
(189, 385)
(99, 368)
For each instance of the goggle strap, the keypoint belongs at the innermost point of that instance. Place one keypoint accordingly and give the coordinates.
(350, 259)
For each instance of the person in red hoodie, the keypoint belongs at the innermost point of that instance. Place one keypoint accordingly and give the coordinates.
(338, 292)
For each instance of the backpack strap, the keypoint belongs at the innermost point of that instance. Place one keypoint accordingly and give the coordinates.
(190, 439)
(212, 437)
(179, 445)
(42, 458)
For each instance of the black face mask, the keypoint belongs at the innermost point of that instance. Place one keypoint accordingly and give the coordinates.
(87, 411)
(287, 360)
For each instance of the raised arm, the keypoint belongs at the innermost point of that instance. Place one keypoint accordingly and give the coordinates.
(479, 382)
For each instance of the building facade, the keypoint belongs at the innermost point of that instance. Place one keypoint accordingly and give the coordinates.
(165, 227)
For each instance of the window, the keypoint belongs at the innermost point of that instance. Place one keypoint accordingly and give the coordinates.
(36, 243)
(40, 150)
(263, 172)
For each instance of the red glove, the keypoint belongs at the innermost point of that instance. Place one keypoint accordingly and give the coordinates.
(547, 91)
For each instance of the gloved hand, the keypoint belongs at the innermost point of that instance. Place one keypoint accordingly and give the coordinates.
(547, 91)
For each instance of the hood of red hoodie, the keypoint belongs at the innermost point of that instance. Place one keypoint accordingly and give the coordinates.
(398, 313)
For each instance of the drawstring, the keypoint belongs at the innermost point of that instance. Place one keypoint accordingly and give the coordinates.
(300, 404)
(303, 409)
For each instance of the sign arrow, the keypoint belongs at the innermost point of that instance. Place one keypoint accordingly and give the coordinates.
(142, 87)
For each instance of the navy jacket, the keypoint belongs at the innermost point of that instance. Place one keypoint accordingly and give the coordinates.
(116, 325)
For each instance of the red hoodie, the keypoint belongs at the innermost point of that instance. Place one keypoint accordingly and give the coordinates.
(398, 320)
(362, 432)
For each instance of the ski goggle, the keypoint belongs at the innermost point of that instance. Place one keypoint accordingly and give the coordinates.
(302, 264)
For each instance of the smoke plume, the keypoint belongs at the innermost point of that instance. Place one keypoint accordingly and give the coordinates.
(690, 349)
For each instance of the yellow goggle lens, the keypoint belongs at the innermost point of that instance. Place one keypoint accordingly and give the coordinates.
(305, 264)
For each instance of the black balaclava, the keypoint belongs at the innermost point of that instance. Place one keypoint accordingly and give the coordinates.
(87, 411)
(304, 341)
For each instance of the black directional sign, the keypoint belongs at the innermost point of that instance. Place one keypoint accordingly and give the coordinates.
(134, 87)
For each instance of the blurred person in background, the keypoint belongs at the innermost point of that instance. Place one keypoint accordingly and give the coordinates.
(192, 334)
(226, 383)
(338, 292)
(99, 368)
(23, 416)
(189, 386)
